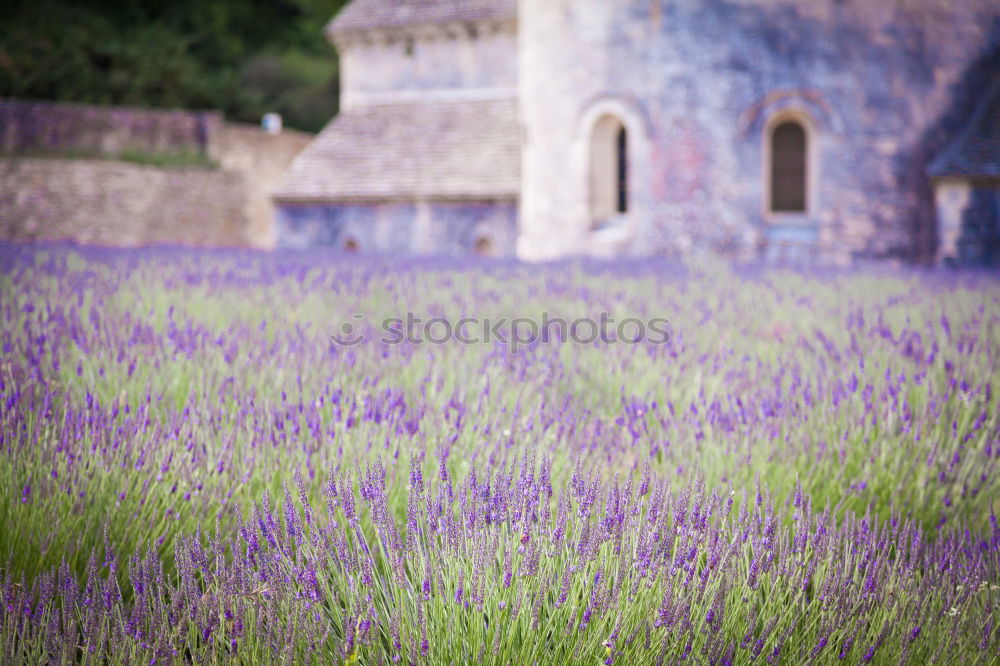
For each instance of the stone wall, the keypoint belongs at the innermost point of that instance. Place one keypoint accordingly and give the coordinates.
(882, 85)
(261, 160)
(120, 203)
(426, 227)
(117, 203)
(28, 127)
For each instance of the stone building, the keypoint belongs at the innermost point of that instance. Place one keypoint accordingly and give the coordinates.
(425, 154)
(806, 129)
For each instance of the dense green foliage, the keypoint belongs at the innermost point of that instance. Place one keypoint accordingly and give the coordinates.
(246, 57)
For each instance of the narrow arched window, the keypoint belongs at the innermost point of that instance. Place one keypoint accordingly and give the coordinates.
(608, 170)
(788, 168)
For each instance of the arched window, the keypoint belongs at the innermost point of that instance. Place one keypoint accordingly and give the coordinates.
(609, 194)
(788, 167)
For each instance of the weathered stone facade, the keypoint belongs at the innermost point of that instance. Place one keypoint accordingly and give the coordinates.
(697, 89)
(699, 83)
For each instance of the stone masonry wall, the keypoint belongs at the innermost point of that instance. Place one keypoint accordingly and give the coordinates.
(33, 126)
(261, 160)
(120, 203)
(106, 202)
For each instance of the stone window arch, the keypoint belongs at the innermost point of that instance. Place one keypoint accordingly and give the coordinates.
(790, 164)
(608, 173)
(609, 195)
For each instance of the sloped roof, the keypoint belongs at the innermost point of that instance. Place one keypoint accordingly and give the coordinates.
(382, 14)
(975, 151)
(454, 149)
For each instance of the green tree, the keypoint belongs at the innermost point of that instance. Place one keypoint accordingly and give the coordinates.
(245, 57)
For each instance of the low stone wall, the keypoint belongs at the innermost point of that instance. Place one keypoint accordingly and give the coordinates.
(117, 203)
(94, 200)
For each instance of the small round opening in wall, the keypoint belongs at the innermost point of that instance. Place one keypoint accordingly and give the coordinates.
(351, 245)
(484, 246)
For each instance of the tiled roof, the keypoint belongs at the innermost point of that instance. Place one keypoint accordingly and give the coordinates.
(376, 14)
(455, 149)
(975, 152)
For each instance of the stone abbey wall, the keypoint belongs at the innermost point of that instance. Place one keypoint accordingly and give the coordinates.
(881, 85)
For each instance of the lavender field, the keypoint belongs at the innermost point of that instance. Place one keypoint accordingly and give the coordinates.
(194, 471)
